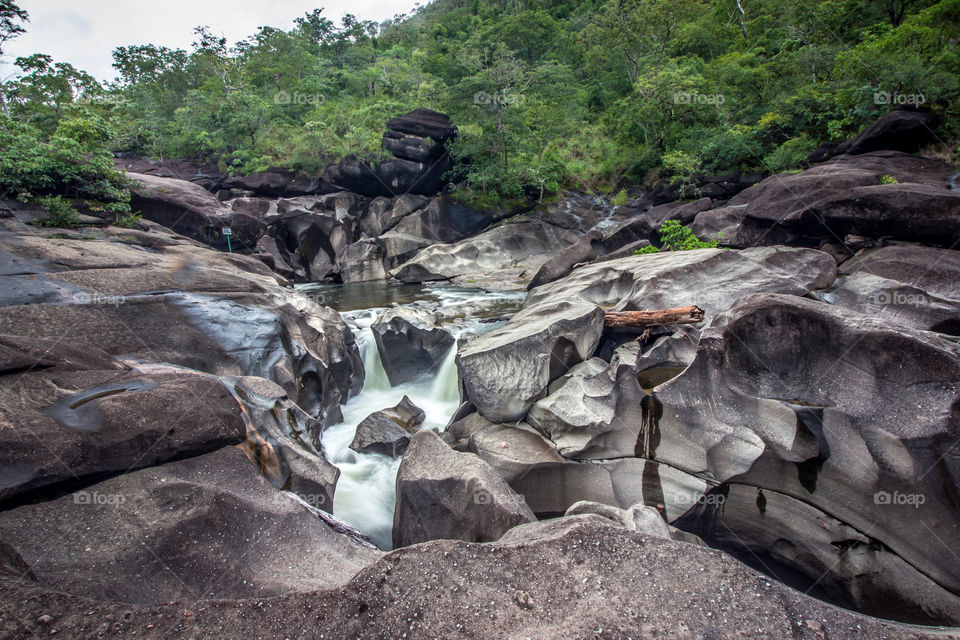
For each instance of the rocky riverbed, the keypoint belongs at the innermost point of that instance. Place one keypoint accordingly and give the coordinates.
(193, 447)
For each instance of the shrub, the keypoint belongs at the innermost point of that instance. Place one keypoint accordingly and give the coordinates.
(621, 198)
(676, 237)
(61, 212)
(790, 155)
(888, 179)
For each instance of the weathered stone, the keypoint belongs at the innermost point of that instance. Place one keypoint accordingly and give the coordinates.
(445, 494)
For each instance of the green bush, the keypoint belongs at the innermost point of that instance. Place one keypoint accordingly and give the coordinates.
(790, 155)
(61, 165)
(620, 199)
(888, 179)
(61, 213)
(676, 237)
(128, 221)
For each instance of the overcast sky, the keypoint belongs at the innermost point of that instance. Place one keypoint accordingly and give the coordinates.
(85, 32)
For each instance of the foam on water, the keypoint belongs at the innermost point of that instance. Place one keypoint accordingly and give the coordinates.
(366, 490)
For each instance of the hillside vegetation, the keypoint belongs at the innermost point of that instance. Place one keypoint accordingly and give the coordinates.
(547, 95)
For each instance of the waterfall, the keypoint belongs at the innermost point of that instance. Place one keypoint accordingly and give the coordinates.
(366, 490)
(375, 377)
(446, 386)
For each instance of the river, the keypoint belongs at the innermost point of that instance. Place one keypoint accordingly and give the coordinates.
(366, 491)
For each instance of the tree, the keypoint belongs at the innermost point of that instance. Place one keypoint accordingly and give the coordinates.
(10, 16)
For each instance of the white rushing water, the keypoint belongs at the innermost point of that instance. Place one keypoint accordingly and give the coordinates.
(366, 490)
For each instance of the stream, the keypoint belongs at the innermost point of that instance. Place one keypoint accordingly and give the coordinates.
(366, 491)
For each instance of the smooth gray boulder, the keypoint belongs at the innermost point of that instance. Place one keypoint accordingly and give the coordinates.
(388, 431)
(712, 279)
(445, 494)
(596, 410)
(506, 371)
(511, 250)
(363, 261)
(382, 214)
(644, 520)
(410, 343)
(909, 285)
(797, 543)
(207, 527)
(98, 423)
(842, 196)
(849, 413)
(510, 449)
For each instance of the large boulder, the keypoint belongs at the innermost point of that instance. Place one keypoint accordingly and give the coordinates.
(586, 249)
(506, 252)
(595, 411)
(818, 554)
(230, 314)
(425, 123)
(362, 261)
(840, 197)
(410, 343)
(443, 494)
(388, 431)
(909, 285)
(383, 214)
(98, 423)
(712, 279)
(203, 528)
(504, 372)
(793, 395)
(191, 210)
(587, 591)
(901, 129)
(278, 182)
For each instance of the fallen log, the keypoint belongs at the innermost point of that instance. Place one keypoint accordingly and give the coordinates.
(642, 319)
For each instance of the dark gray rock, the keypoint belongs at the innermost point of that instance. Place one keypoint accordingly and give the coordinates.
(443, 494)
(901, 129)
(794, 396)
(909, 285)
(388, 431)
(191, 210)
(506, 371)
(204, 528)
(586, 592)
(410, 343)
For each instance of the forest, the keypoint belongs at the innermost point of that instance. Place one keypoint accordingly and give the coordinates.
(548, 96)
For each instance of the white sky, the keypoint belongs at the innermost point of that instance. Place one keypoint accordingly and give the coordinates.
(85, 32)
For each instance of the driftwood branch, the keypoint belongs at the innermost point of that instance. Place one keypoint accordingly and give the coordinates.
(642, 319)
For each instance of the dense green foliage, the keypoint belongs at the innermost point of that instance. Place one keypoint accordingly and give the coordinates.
(547, 95)
(676, 237)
